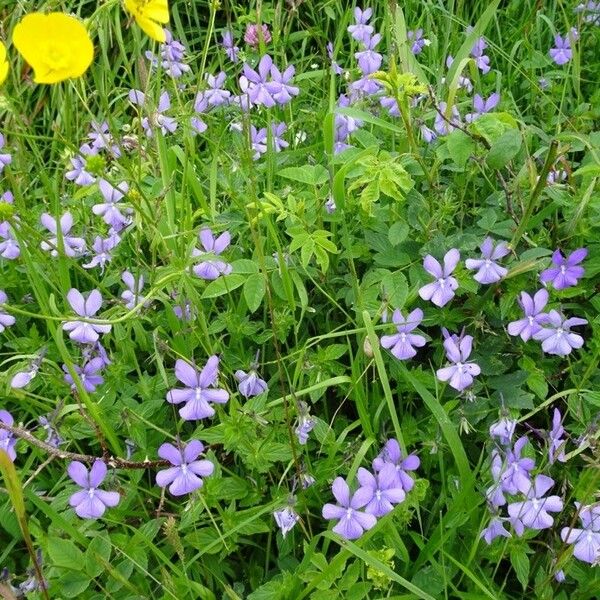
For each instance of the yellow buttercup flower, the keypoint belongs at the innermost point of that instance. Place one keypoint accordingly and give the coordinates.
(149, 15)
(3, 63)
(56, 45)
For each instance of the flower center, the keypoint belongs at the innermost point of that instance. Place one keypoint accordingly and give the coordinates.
(442, 282)
(198, 393)
(349, 512)
(91, 492)
(378, 495)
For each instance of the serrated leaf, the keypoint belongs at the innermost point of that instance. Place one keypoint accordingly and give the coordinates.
(398, 232)
(254, 291)
(64, 553)
(309, 174)
(97, 555)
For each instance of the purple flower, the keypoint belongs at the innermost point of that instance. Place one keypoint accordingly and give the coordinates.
(369, 61)
(102, 248)
(561, 53)
(392, 454)
(9, 247)
(336, 68)
(402, 343)
(591, 12)
(351, 521)
(361, 31)
(460, 374)
(108, 210)
(286, 519)
(305, 425)
(330, 206)
(7, 440)
(366, 85)
(254, 33)
(565, 271)
(52, 436)
(24, 378)
(494, 494)
(277, 131)
(214, 95)
(229, 46)
(185, 476)
(90, 502)
(384, 488)
(556, 450)
(556, 176)
(184, 311)
(254, 83)
(441, 125)
(586, 539)
(441, 291)
(463, 82)
(132, 296)
(481, 60)
(210, 269)
(157, 118)
(88, 375)
(482, 106)
(494, 529)
(280, 86)
(427, 134)
(200, 391)
(6, 320)
(534, 511)
(101, 138)
(250, 384)
(557, 338)
(514, 477)
(172, 54)
(534, 317)
(488, 270)
(78, 174)
(503, 429)
(73, 246)
(5, 158)
(391, 104)
(418, 41)
(85, 333)
(258, 139)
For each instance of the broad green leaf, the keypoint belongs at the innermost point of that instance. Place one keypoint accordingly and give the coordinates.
(504, 149)
(223, 285)
(520, 563)
(254, 291)
(460, 147)
(64, 553)
(398, 232)
(309, 174)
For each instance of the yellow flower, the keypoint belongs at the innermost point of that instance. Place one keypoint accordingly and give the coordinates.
(148, 14)
(57, 46)
(3, 63)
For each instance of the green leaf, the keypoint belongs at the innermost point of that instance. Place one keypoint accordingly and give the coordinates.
(97, 555)
(309, 174)
(460, 147)
(398, 232)
(254, 291)
(223, 285)
(72, 584)
(64, 553)
(396, 289)
(504, 149)
(245, 266)
(520, 563)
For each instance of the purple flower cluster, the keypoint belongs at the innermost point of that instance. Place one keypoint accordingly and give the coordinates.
(9, 245)
(267, 85)
(156, 118)
(585, 540)
(378, 492)
(172, 54)
(530, 506)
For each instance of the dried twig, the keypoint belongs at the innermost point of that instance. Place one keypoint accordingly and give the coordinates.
(112, 461)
